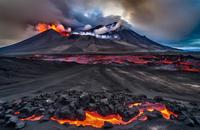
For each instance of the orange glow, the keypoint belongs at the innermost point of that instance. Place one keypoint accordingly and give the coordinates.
(32, 118)
(42, 27)
(96, 120)
(93, 119)
(135, 105)
(150, 109)
(156, 107)
(190, 69)
(143, 118)
(177, 64)
(17, 113)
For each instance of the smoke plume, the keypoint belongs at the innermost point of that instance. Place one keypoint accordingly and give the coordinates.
(17, 17)
(169, 19)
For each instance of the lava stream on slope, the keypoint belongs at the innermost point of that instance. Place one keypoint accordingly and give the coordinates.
(181, 63)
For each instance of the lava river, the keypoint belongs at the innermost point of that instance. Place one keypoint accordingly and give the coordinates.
(180, 63)
(96, 120)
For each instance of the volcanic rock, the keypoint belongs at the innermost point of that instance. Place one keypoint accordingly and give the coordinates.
(20, 125)
(63, 100)
(153, 115)
(2, 102)
(39, 111)
(51, 111)
(107, 125)
(80, 114)
(45, 118)
(28, 110)
(63, 113)
(189, 122)
(2, 114)
(115, 104)
(127, 114)
(142, 97)
(181, 117)
(9, 111)
(12, 121)
(104, 101)
(197, 119)
(49, 101)
(158, 98)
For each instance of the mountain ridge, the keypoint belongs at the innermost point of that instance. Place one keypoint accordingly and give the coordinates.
(51, 42)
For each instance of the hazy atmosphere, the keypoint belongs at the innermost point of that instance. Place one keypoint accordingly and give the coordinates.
(171, 22)
(99, 64)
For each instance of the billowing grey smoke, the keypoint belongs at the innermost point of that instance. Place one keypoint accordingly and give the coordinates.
(169, 19)
(18, 15)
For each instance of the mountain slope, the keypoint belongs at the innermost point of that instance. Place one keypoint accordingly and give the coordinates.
(29, 76)
(50, 42)
(33, 44)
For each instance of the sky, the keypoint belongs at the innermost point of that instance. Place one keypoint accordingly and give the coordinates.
(174, 23)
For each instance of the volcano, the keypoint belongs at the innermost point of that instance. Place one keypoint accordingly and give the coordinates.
(51, 42)
(107, 77)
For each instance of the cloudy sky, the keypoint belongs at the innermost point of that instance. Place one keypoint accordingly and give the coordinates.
(171, 22)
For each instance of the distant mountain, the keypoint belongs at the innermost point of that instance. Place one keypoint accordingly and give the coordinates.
(51, 42)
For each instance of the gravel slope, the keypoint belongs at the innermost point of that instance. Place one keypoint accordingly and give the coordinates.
(23, 77)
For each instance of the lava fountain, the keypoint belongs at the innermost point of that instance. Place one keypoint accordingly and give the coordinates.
(42, 27)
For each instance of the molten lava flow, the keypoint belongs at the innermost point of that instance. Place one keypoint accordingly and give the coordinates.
(42, 27)
(93, 119)
(32, 118)
(177, 63)
(166, 61)
(135, 105)
(96, 120)
(17, 113)
(154, 107)
(189, 69)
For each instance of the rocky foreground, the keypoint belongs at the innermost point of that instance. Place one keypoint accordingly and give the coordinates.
(56, 95)
(97, 109)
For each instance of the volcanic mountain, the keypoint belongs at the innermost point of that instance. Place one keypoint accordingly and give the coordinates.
(51, 42)
(103, 85)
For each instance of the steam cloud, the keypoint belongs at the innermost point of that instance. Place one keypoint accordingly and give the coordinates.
(170, 19)
(164, 19)
(18, 15)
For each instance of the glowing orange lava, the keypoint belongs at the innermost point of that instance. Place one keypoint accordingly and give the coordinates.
(96, 120)
(154, 107)
(32, 118)
(93, 119)
(42, 27)
(176, 64)
(17, 113)
(134, 105)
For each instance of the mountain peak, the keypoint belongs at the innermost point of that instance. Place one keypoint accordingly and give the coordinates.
(51, 42)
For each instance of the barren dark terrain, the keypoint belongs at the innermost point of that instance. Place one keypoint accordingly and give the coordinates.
(22, 77)
(51, 82)
(26, 76)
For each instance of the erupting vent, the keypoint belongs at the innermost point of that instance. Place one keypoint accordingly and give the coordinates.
(42, 27)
